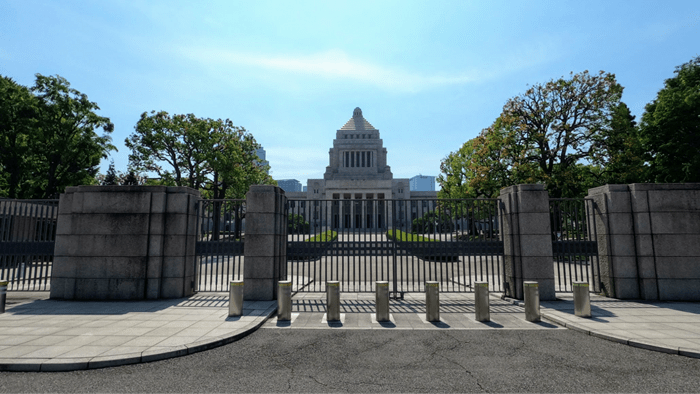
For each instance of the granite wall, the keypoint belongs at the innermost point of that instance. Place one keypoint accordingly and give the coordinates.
(649, 240)
(125, 243)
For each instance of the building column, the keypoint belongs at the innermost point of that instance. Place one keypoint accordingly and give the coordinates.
(265, 242)
(527, 239)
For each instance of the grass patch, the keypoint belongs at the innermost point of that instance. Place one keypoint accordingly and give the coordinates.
(402, 236)
(326, 236)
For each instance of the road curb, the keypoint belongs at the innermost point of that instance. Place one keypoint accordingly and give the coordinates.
(647, 345)
(78, 364)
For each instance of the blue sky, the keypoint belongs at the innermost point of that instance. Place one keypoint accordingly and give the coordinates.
(429, 75)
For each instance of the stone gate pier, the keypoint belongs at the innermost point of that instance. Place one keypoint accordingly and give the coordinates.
(125, 243)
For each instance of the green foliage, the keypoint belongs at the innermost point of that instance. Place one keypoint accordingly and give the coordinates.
(213, 156)
(296, 224)
(620, 157)
(326, 236)
(111, 178)
(402, 236)
(432, 222)
(670, 127)
(550, 134)
(131, 179)
(484, 165)
(18, 117)
(48, 138)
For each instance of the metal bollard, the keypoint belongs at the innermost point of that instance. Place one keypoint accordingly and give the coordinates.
(481, 301)
(235, 298)
(382, 301)
(284, 300)
(582, 300)
(332, 301)
(432, 301)
(532, 301)
(3, 295)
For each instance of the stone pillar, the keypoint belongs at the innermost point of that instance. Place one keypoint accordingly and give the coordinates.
(649, 240)
(125, 242)
(265, 242)
(527, 239)
(616, 241)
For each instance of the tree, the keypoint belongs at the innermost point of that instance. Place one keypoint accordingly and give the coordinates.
(670, 127)
(53, 129)
(620, 157)
(296, 224)
(131, 179)
(18, 111)
(432, 222)
(557, 124)
(483, 165)
(551, 134)
(111, 178)
(213, 156)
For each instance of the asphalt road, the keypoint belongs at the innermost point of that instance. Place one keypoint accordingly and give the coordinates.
(277, 360)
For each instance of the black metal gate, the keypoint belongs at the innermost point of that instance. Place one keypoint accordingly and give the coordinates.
(574, 243)
(406, 242)
(219, 246)
(27, 238)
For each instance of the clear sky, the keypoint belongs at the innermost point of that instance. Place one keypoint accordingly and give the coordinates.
(429, 75)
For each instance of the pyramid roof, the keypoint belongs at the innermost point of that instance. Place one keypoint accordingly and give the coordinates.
(357, 122)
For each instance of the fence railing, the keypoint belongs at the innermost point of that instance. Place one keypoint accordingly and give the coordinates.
(406, 242)
(574, 243)
(219, 246)
(27, 238)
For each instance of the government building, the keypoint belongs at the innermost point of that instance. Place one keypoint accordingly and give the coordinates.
(356, 181)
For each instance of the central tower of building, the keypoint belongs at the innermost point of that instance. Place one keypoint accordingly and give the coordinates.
(357, 166)
(357, 152)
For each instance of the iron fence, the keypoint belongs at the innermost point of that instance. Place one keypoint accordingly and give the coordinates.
(27, 238)
(406, 242)
(574, 243)
(219, 246)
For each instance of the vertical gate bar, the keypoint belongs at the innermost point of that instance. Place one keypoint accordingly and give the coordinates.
(46, 236)
(582, 239)
(223, 257)
(461, 257)
(575, 245)
(4, 225)
(469, 257)
(595, 268)
(214, 265)
(562, 248)
(556, 225)
(198, 231)
(567, 245)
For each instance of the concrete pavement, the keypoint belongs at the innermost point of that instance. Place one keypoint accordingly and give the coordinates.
(38, 334)
(669, 327)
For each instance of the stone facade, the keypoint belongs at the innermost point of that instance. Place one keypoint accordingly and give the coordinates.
(265, 242)
(527, 239)
(125, 243)
(649, 240)
(358, 170)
